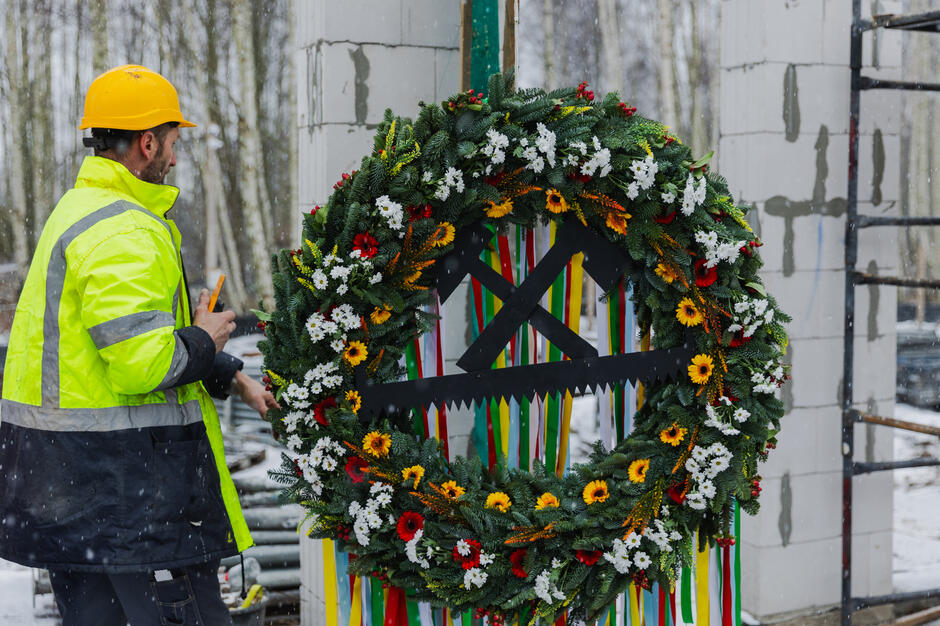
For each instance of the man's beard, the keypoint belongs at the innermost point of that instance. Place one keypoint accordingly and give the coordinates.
(157, 169)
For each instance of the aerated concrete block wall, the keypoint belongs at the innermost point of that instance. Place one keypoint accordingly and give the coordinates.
(784, 148)
(353, 60)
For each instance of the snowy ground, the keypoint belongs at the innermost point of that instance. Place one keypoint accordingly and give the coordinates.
(916, 506)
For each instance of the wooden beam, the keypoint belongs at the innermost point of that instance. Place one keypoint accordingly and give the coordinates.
(896, 423)
(509, 37)
(466, 42)
(921, 617)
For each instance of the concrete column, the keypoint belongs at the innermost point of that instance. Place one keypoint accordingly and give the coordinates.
(784, 149)
(354, 59)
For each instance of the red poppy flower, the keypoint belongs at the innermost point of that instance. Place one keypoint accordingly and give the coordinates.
(366, 244)
(355, 467)
(665, 219)
(495, 179)
(419, 212)
(576, 175)
(319, 410)
(675, 492)
(516, 558)
(472, 558)
(409, 524)
(704, 276)
(588, 557)
(739, 339)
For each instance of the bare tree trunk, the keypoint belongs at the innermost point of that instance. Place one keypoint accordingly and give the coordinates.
(609, 24)
(99, 29)
(296, 223)
(43, 169)
(667, 77)
(548, 26)
(255, 202)
(221, 251)
(17, 172)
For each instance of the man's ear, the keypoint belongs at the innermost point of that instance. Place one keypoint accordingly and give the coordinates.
(147, 142)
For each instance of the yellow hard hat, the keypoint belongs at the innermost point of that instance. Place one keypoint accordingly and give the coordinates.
(131, 97)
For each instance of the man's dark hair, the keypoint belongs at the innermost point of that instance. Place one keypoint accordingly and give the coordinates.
(118, 141)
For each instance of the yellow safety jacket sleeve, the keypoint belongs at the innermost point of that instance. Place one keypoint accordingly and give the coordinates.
(126, 285)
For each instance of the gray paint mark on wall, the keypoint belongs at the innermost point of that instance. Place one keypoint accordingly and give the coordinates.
(874, 296)
(791, 104)
(782, 206)
(871, 408)
(878, 166)
(785, 521)
(361, 65)
(787, 393)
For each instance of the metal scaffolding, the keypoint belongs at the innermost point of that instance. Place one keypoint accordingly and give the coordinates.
(925, 22)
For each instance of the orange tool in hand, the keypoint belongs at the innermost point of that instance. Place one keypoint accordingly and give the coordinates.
(215, 293)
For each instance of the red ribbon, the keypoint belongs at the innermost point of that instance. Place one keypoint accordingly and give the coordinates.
(396, 607)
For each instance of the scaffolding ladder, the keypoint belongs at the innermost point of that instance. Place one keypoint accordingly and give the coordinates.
(924, 22)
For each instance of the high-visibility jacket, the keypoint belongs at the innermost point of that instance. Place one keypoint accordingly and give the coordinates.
(107, 462)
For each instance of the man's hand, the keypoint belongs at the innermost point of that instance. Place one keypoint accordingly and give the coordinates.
(254, 394)
(218, 325)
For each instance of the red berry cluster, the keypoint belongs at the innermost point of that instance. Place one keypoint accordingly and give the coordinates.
(724, 542)
(261, 325)
(382, 576)
(668, 139)
(342, 532)
(627, 111)
(583, 92)
(462, 100)
(314, 210)
(340, 182)
(495, 618)
(746, 249)
(297, 471)
(755, 486)
(640, 580)
(267, 382)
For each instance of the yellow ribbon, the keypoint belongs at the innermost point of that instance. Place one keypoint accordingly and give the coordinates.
(701, 586)
(329, 583)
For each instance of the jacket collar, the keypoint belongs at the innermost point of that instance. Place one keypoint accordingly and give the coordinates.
(101, 172)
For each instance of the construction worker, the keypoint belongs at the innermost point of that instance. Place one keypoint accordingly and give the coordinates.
(112, 471)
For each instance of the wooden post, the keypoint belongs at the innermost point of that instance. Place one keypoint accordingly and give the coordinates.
(466, 42)
(509, 37)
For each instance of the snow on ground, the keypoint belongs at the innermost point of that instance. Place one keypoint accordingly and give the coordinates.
(16, 599)
(916, 505)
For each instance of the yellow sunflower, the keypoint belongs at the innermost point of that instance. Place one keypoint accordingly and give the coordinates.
(666, 273)
(414, 473)
(673, 435)
(687, 314)
(355, 353)
(637, 470)
(701, 369)
(354, 400)
(555, 202)
(617, 222)
(444, 234)
(452, 490)
(595, 491)
(499, 210)
(380, 314)
(498, 500)
(377, 444)
(546, 501)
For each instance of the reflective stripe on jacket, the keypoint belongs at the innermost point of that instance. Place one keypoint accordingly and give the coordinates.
(106, 463)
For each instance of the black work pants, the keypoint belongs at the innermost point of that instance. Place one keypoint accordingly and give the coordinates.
(192, 597)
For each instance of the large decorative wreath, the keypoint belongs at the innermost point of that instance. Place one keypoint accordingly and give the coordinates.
(514, 542)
